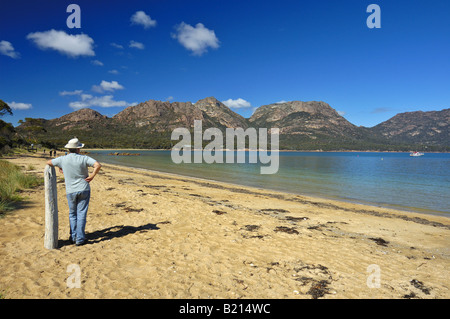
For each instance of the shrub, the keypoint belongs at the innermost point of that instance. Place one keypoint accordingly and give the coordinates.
(12, 180)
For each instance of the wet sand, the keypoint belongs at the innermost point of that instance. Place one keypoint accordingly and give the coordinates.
(158, 235)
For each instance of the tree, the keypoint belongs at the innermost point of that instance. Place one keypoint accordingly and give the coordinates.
(4, 108)
(31, 128)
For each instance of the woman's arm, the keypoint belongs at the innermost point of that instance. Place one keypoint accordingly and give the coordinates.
(97, 167)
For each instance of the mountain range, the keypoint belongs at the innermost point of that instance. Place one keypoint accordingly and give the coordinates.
(312, 125)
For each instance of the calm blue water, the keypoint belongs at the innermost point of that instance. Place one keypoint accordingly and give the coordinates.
(385, 179)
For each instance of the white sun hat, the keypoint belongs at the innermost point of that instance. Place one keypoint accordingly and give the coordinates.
(74, 143)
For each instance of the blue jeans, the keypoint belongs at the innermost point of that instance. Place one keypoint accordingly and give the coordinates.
(78, 207)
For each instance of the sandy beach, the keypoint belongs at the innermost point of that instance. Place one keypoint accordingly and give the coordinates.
(158, 235)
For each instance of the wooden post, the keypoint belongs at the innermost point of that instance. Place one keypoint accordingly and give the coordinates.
(51, 208)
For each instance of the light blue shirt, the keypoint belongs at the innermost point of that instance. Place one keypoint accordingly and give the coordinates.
(75, 170)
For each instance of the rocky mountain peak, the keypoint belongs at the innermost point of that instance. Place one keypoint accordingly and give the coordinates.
(208, 102)
(431, 127)
(277, 111)
(303, 119)
(213, 108)
(161, 115)
(81, 115)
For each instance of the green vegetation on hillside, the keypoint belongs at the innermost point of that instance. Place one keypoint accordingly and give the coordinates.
(303, 126)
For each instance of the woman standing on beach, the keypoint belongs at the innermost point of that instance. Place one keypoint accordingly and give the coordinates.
(78, 192)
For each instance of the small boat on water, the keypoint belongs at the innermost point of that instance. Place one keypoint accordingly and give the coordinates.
(416, 154)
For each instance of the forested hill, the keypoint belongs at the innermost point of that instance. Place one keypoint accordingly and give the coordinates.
(312, 125)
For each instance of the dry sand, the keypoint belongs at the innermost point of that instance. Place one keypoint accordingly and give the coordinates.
(156, 235)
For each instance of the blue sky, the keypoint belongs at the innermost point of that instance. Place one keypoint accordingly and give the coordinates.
(246, 53)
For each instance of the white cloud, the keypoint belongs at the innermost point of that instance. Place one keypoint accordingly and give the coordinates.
(141, 18)
(196, 39)
(381, 110)
(75, 92)
(118, 46)
(107, 86)
(6, 48)
(86, 97)
(341, 113)
(19, 106)
(97, 62)
(113, 71)
(88, 100)
(137, 45)
(237, 104)
(68, 44)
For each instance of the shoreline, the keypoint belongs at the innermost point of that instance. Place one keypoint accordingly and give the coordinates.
(316, 200)
(311, 197)
(405, 209)
(163, 235)
(305, 151)
(335, 202)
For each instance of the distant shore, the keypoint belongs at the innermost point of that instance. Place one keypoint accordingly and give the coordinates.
(159, 235)
(306, 151)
